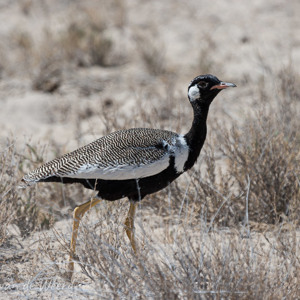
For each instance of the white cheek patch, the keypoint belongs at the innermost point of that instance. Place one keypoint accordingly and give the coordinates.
(194, 93)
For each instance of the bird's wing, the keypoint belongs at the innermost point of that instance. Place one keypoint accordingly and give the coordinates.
(125, 154)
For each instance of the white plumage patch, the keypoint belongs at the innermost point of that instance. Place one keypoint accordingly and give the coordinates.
(194, 93)
(121, 172)
(181, 153)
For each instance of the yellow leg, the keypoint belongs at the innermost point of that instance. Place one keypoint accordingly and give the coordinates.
(129, 225)
(79, 211)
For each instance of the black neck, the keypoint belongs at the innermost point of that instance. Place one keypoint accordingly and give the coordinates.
(196, 136)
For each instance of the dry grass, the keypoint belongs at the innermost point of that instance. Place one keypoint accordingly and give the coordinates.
(84, 40)
(229, 229)
(152, 53)
(185, 252)
(223, 264)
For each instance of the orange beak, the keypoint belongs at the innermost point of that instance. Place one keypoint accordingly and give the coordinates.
(223, 85)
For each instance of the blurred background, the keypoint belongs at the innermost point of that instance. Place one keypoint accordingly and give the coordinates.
(65, 64)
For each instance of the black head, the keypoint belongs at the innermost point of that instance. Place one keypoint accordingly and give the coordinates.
(205, 88)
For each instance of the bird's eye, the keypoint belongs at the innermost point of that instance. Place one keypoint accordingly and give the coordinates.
(202, 84)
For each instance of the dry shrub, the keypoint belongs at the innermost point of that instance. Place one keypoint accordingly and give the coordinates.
(87, 39)
(260, 181)
(8, 196)
(30, 209)
(207, 61)
(17, 51)
(263, 157)
(264, 154)
(196, 265)
(85, 43)
(152, 54)
(18, 206)
(82, 43)
(7, 214)
(48, 78)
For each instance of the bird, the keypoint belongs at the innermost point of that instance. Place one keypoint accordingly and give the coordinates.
(133, 162)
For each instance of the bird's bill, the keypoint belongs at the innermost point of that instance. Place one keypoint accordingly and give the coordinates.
(223, 85)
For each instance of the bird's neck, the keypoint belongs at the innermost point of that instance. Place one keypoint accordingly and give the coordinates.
(196, 136)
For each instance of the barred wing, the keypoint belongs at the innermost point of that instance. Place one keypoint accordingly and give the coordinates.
(125, 154)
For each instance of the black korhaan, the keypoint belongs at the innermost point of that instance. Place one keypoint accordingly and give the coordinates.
(135, 162)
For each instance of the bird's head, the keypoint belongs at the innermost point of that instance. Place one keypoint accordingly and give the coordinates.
(204, 88)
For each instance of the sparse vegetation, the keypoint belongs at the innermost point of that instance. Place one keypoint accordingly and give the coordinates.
(185, 251)
(85, 43)
(229, 229)
(152, 54)
(262, 172)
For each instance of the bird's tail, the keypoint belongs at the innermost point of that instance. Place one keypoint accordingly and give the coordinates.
(25, 182)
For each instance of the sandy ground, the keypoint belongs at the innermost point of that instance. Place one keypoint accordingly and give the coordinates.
(239, 41)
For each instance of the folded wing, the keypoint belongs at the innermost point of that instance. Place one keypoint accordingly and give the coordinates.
(125, 154)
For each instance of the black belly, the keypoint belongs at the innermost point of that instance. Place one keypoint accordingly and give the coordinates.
(134, 189)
